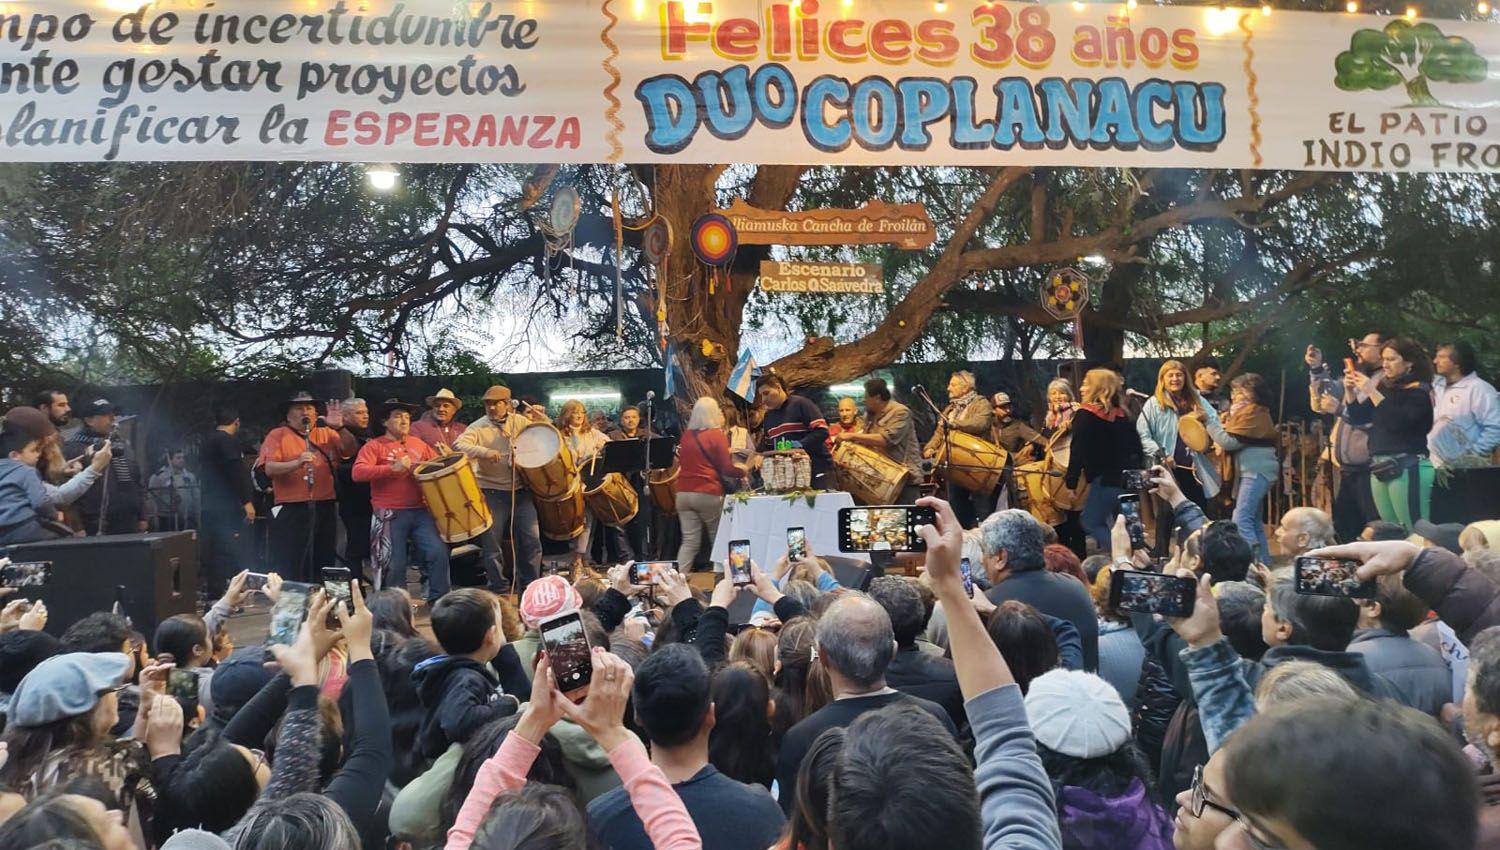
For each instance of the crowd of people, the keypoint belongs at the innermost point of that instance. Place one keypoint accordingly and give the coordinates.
(1014, 702)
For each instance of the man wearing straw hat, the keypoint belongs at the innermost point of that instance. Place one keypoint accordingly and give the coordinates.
(300, 457)
(487, 442)
(386, 462)
(438, 427)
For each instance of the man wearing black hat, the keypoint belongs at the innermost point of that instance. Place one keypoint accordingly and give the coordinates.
(116, 504)
(300, 457)
(386, 463)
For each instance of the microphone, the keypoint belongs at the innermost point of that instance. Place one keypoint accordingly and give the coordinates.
(650, 395)
(322, 422)
(1137, 393)
(306, 421)
(918, 389)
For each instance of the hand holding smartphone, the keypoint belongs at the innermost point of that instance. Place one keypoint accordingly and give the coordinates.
(1130, 506)
(739, 562)
(26, 574)
(796, 543)
(967, 571)
(884, 528)
(1140, 592)
(650, 572)
(1137, 480)
(289, 612)
(1331, 577)
(568, 651)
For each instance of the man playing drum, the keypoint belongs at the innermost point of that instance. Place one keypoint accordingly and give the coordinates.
(487, 442)
(386, 463)
(889, 430)
(848, 419)
(969, 412)
(438, 427)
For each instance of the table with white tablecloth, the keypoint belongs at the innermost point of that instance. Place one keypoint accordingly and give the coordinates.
(763, 520)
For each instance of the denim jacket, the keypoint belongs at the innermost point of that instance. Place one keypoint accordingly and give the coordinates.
(1223, 693)
(1158, 429)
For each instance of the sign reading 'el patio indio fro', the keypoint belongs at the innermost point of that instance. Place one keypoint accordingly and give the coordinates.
(877, 222)
(788, 276)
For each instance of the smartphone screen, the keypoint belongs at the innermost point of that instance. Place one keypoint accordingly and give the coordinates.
(967, 572)
(336, 584)
(739, 561)
(1138, 480)
(796, 543)
(650, 572)
(883, 528)
(1130, 506)
(288, 613)
(256, 581)
(29, 574)
(1331, 577)
(182, 684)
(567, 648)
(1152, 593)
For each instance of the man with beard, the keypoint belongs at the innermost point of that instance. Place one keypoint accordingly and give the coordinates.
(634, 532)
(227, 505)
(54, 403)
(438, 427)
(354, 496)
(116, 504)
(300, 457)
(1208, 378)
(1353, 502)
(969, 412)
(889, 430)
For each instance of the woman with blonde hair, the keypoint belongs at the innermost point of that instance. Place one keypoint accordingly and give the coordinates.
(1061, 402)
(1104, 444)
(586, 443)
(1174, 400)
(704, 465)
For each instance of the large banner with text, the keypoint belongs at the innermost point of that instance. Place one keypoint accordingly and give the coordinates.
(748, 81)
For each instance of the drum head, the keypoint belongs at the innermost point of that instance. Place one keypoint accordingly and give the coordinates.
(537, 445)
(441, 464)
(1194, 434)
(593, 480)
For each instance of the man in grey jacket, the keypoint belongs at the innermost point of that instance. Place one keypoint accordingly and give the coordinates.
(969, 412)
(1415, 669)
(1353, 503)
(487, 442)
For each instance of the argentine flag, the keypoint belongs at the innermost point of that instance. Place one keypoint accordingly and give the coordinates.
(742, 379)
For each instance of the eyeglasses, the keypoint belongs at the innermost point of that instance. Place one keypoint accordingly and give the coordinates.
(1357, 344)
(1200, 801)
(260, 759)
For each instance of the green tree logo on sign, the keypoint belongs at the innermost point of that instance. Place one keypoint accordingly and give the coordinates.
(1411, 55)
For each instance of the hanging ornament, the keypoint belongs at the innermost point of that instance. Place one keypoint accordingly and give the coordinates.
(715, 242)
(656, 241)
(1064, 295)
(558, 224)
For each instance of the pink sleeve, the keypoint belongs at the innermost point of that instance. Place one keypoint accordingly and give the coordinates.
(660, 809)
(504, 771)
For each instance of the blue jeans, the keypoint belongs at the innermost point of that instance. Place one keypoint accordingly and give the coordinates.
(1249, 493)
(416, 525)
(525, 532)
(1099, 512)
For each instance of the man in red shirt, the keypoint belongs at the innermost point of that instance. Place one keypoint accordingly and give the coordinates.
(439, 426)
(300, 457)
(386, 464)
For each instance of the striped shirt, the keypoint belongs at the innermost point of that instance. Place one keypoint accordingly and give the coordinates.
(800, 421)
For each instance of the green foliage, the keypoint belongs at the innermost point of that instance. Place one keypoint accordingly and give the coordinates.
(1410, 55)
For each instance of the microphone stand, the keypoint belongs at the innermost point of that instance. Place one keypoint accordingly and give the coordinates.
(310, 476)
(647, 538)
(945, 425)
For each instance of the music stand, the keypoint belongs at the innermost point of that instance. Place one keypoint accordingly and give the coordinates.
(640, 456)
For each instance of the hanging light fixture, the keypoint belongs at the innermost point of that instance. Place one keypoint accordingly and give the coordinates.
(383, 177)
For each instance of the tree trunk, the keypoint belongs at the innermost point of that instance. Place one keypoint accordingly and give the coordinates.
(1105, 342)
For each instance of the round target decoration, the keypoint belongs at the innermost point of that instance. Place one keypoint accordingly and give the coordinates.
(715, 240)
(656, 241)
(1064, 293)
(566, 206)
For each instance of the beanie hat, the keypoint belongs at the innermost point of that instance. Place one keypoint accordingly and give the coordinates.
(29, 421)
(66, 685)
(547, 597)
(237, 678)
(1077, 714)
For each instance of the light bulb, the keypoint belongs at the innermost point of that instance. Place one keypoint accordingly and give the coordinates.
(1351, 7)
(1482, 8)
(1411, 13)
(382, 177)
(1265, 8)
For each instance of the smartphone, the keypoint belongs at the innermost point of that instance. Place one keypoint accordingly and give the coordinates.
(884, 528)
(739, 561)
(336, 581)
(1130, 506)
(28, 574)
(182, 684)
(256, 581)
(1349, 365)
(568, 652)
(289, 612)
(1331, 577)
(967, 572)
(650, 572)
(1138, 480)
(1152, 593)
(796, 543)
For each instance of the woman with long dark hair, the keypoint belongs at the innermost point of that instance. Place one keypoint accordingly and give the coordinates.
(801, 683)
(807, 829)
(741, 745)
(1398, 409)
(391, 609)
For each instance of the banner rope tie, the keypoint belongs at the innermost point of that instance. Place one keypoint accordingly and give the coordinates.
(1250, 81)
(612, 113)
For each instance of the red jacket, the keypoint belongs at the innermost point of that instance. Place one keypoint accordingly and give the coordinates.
(703, 456)
(390, 488)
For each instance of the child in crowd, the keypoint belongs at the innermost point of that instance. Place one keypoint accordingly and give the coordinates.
(460, 690)
(23, 499)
